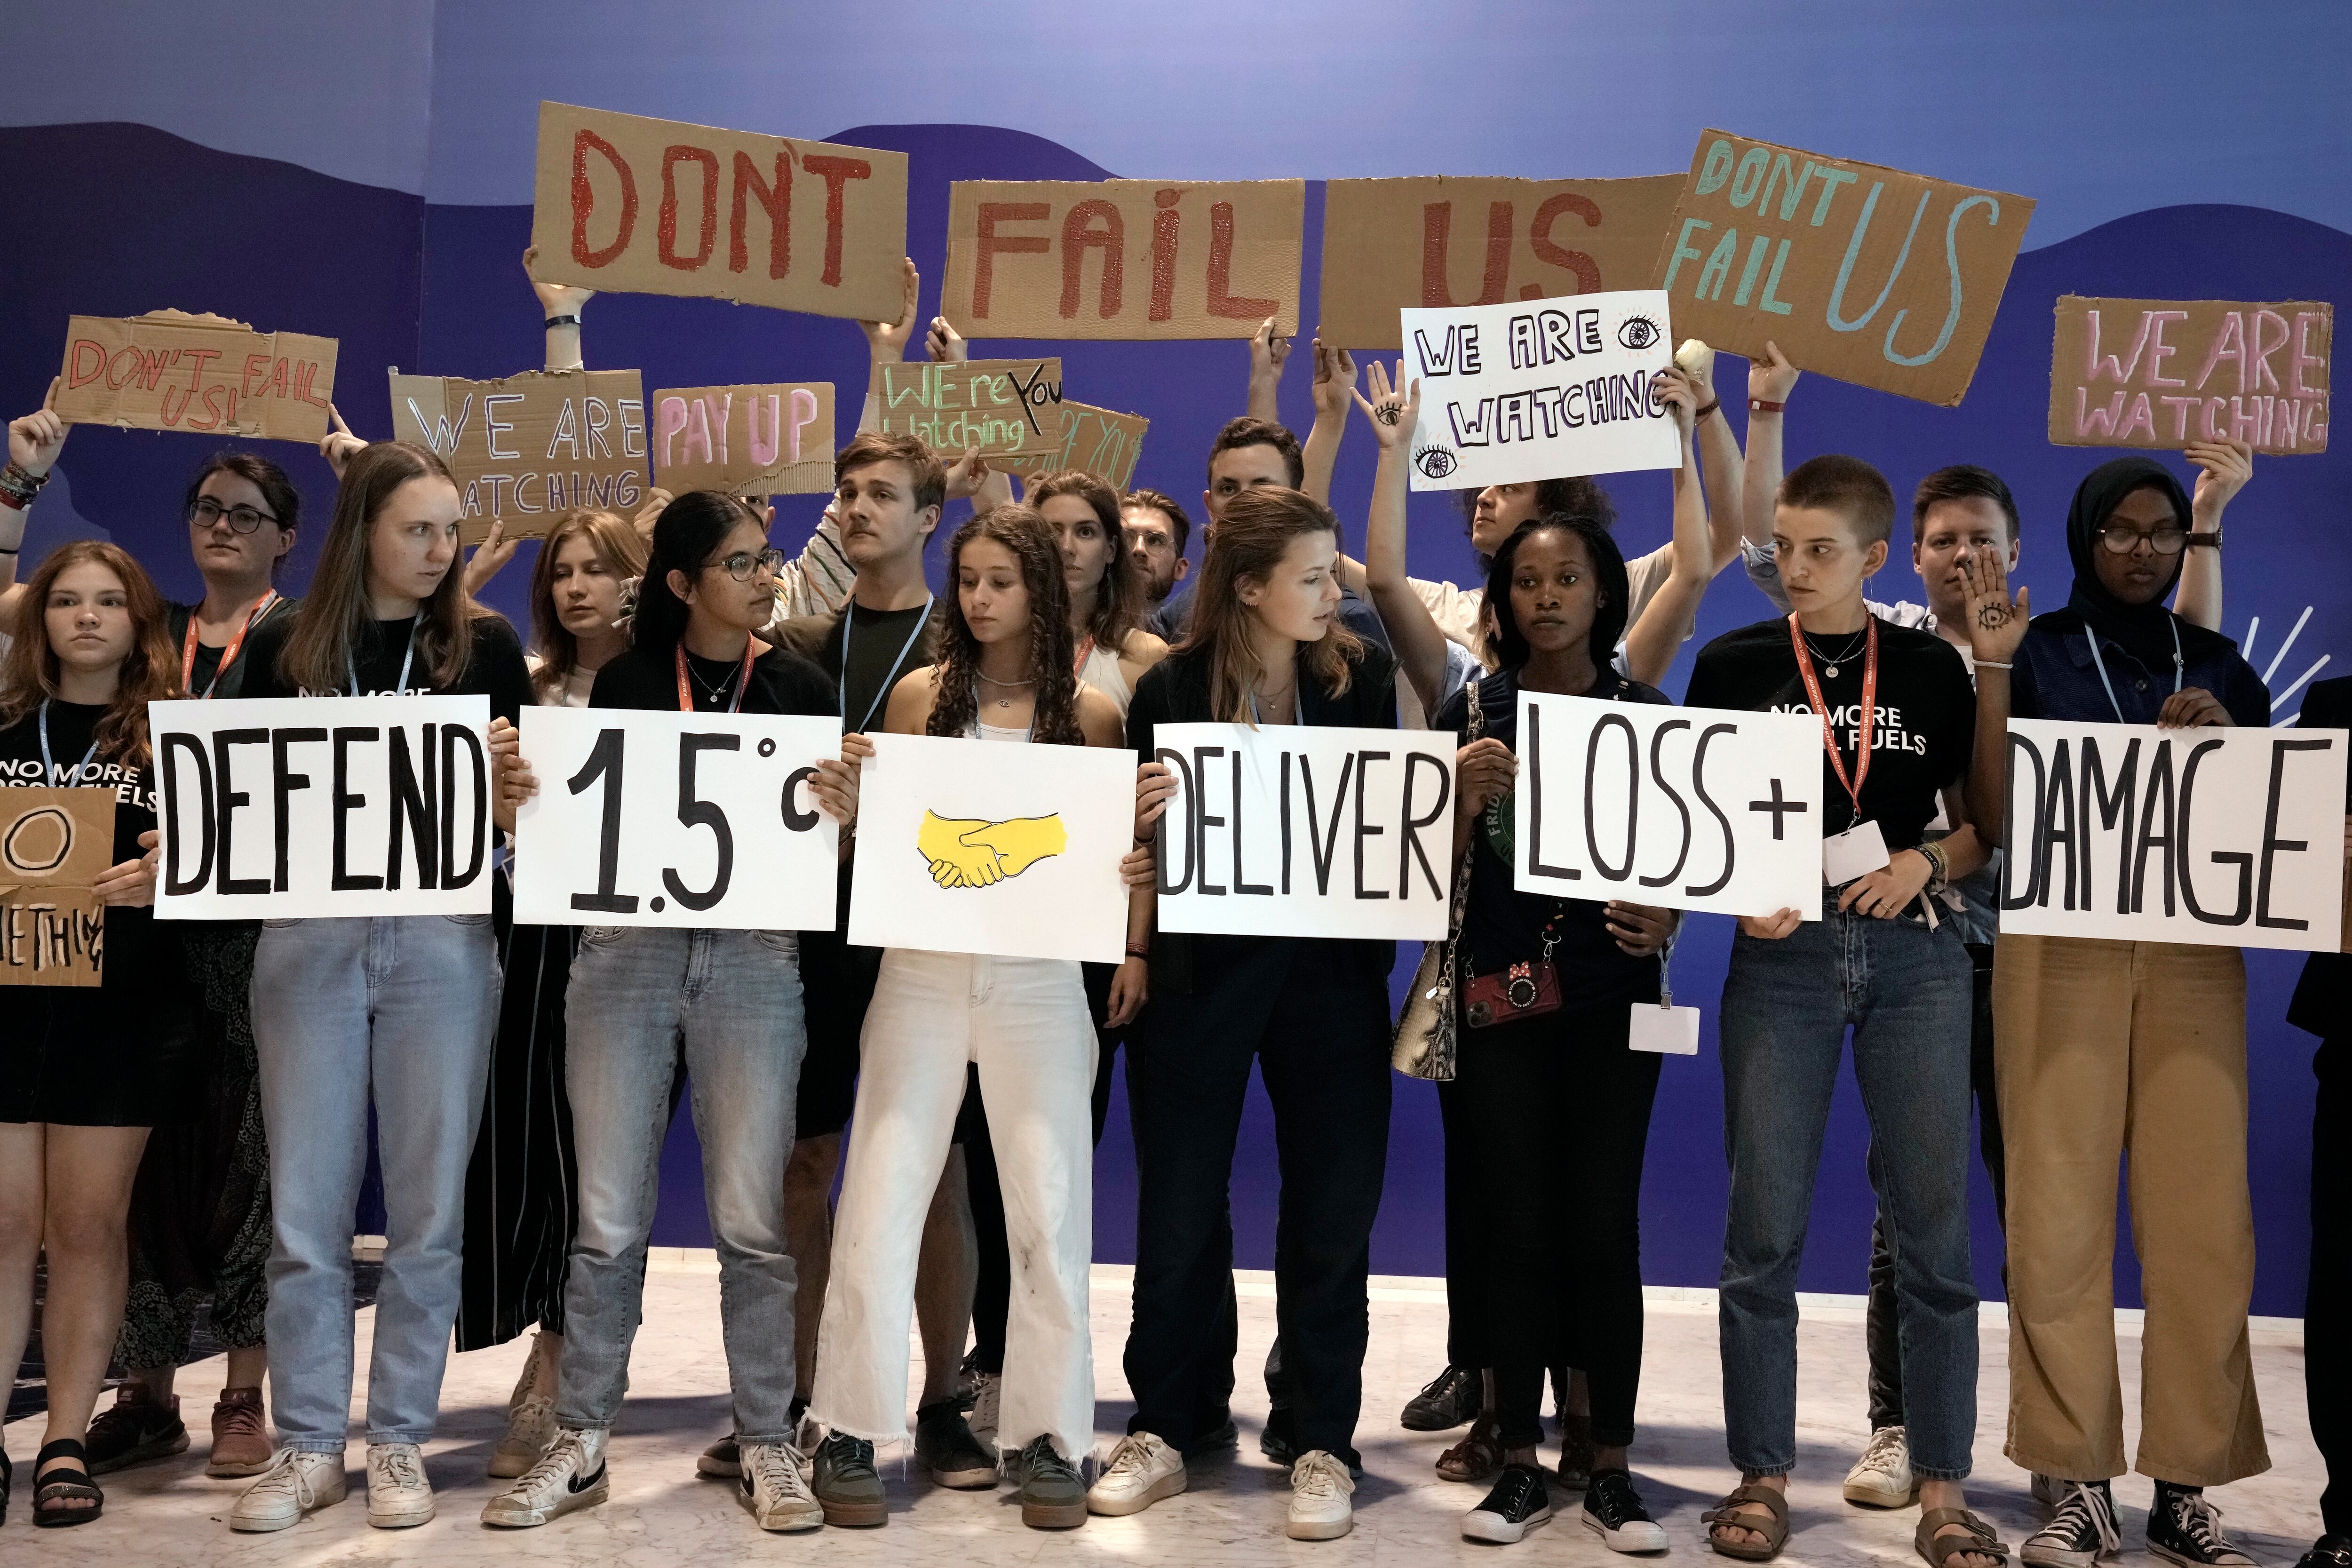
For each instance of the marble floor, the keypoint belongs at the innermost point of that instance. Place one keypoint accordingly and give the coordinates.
(661, 1515)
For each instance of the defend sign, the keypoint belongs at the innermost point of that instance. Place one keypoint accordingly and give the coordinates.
(1685, 808)
(1296, 832)
(322, 806)
(2160, 374)
(2223, 837)
(168, 370)
(527, 449)
(1514, 393)
(675, 819)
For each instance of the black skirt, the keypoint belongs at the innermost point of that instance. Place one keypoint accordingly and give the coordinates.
(112, 1054)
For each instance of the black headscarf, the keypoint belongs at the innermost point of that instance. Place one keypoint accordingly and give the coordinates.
(2144, 631)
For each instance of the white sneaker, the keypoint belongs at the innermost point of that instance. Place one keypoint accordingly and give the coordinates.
(987, 1399)
(1320, 1488)
(1882, 1478)
(297, 1483)
(1142, 1470)
(531, 1411)
(775, 1488)
(399, 1496)
(570, 1475)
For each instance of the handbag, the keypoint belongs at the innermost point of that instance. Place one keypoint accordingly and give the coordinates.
(1426, 1034)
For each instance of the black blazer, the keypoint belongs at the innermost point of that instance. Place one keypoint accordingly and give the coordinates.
(2323, 998)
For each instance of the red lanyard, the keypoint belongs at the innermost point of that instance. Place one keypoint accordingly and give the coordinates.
(743, 679)
(1086, 652)
(228, 654)
(1869, 708)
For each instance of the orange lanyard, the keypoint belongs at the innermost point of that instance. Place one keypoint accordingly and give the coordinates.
(1086, 652)
(228, 654)
(1869, 708)
(742, 679)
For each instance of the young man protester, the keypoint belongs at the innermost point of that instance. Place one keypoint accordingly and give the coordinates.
(1898, 723)
(1157, 532)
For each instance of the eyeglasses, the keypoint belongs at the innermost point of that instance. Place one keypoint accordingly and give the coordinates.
(743, 564)
(2122, 538)
(204, 511)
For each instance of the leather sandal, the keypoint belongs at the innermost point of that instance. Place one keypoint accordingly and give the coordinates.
(1948, 1551)
(1726, 1515)
(1478, 1456)
(46, 1490)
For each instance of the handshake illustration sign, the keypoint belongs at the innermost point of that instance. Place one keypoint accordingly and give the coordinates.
(972, 852)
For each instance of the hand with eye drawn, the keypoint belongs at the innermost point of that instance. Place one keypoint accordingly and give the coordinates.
(1996, 622)
(1394, 410)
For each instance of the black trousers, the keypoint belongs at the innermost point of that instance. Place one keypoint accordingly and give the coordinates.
(1467, 1266)
(1883, 1335)
(1316, 1019)
(2327, 1307)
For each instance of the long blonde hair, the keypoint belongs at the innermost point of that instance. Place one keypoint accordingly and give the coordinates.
(616, 543)
(28, 676)
(1247, 544)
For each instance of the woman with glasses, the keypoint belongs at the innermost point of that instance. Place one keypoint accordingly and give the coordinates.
(2111, 1053)
(729, 1001)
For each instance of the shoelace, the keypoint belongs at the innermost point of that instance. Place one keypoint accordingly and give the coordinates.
(284, 1474)
(567, 1451)
(1880, 1454)
(1316, 1476)
(2083, 1506)
(1041, 1458)
(776, 1469)
(1525, 1486)
(1133, 1456)
(2201, 1522)
(1613, 1499)
(402, 1466)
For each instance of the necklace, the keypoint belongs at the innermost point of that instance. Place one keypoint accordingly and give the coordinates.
(711, 689)
(1830, 661)
(1009, 685)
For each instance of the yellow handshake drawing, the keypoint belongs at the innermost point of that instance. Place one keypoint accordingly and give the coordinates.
(967, 852)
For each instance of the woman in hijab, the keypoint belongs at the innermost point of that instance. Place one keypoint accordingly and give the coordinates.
(2113, 1050)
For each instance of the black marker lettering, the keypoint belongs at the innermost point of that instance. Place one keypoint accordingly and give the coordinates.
(1192, 836)
(1658, 772)
(1699, 787)
(175, 884)
(1285, 823)
(1201, 820)
(2053, 831)
(1323, 846)
(693, 811)
(345, 737)
(230, 799)
(1241, 885)
(1364, 760)
(2160, 774)
(1632, 794)
(452, 736)
(795, 819)
(2112, 809)
(1536, 867)
(412, 802)
(2243, 862)
(1412, 850)
(283, 783)
(2020, 829)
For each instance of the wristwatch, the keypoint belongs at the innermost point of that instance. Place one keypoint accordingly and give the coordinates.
(2209, 540)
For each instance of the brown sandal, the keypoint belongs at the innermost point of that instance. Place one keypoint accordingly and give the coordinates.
(1725, 1515)
(1979, 1540)
(1478, 1456)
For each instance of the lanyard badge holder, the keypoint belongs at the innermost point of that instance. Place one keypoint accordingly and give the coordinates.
(1666, 1028)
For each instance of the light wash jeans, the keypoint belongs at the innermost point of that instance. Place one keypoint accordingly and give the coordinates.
(1905, 991)
(729, 1001)
(400, 1010)
(1024, 1022)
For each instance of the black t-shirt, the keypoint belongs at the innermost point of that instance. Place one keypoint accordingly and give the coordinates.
(878, 652)
(1500, 925)
(1920, 738)
(205, 677)
(782, 683)
(493, 668)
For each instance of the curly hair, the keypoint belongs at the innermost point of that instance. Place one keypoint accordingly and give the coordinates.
(29, 675)
(956, 708)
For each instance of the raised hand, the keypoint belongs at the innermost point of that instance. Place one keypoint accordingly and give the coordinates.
(1681, 396)
(889, 339)
(1335, 380)
(1696, 360)
(35, 441)
(1771, 378)
(1996, 622)
(657, 501)
(338, 445)
(1394, 410)
(489, 557)
(2223, 468)
(944, 343)
(554, 299)
(967, 474)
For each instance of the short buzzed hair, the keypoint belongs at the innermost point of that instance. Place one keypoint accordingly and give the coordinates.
(927, 474)
(1847, 485)
(1248, 432)
(1961, 481)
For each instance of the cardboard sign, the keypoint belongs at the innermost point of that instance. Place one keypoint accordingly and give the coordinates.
(773, 439)
(298, 808)
(1857, 271)
(978, 847)
(656, 206)
(694, 820)
(1683, 808)
(1123, 258)
(2160, 374)
(1434, 242)
(1522, 391)
(168, 370)
(1094, 440)
(2222, 838)
(1289, 831)
(1000, 406)
(54, 843)
(528, 448)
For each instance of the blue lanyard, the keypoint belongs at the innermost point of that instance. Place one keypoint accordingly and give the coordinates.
(848, 620)
(48, 768)
(2093, 638)
(406, 659)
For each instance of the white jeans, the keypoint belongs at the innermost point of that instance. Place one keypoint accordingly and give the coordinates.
(1024, 1022)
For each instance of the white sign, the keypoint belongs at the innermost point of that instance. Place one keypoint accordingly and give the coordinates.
(675, 819)
(1292, 831)
(298, 808)
(2223, 837)
(1685, 808)
(984, 847)
(1539, 388)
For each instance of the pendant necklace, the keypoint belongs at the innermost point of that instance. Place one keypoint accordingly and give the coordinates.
(1010, 685)
(1832, 661)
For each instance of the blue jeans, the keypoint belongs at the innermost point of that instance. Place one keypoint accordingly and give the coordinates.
(400, 1010)
(730, 1002)
(1786, 1007)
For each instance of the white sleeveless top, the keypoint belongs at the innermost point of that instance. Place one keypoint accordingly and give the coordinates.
(1004, 732)
(1100, 670)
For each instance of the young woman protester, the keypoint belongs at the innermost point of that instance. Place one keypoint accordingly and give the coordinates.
(392, 1011)
(1006, 673)
(1262, 648)
(519, 1187)
(729, 1003)
(2116, 1051)
(84, 1071)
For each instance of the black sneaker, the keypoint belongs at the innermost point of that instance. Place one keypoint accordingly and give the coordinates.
(135, 1430)
(945, 1447)
(1518, 1504)
(2328, 1551)
(1212, 1439)
(2184, 1527)
(1447, 1401)
(845, 1484)
(1613, 1512)
(1279, 1439)
(2082, 1531)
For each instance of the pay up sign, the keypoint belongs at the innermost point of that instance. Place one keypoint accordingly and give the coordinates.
(2223, 837)
(1685, 808)
(526, 448)
(2163, 373)
(168, 370)
(1532, 390)
(1000, 406)
(1290, 831)
(697, 819)
(1858, 271)
(54, 843)
(767, 441)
